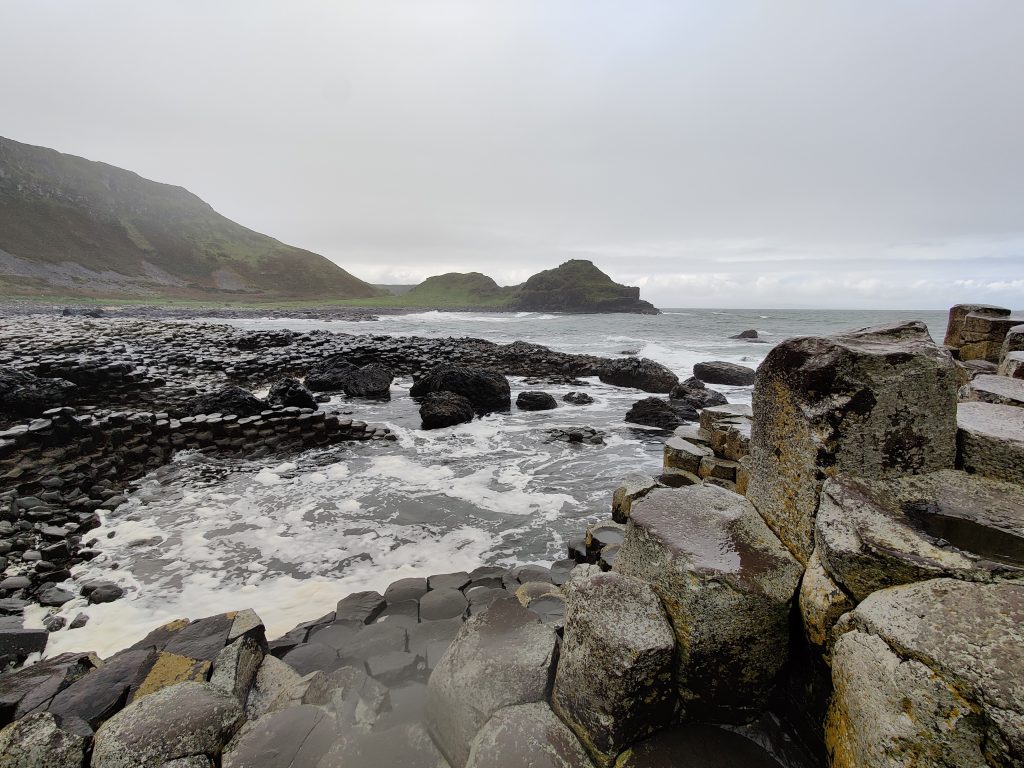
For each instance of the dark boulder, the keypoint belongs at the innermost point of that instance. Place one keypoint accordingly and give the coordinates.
(235, 400)
(373, 380)
(720, 372)
(291, 393)
(578, 398)
(535, 401)
(664, 414)
(330, 375)
(639, 373)
(445, 409)
(337, 374)
(694, 393)
(748, 334)
(487, 391)
(22, 394)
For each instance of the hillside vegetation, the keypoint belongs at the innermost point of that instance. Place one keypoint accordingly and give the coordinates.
(70, 226)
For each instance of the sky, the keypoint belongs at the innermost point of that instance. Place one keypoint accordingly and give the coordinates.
(740, 153)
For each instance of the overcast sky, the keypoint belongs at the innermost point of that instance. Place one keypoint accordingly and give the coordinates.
(745, 154)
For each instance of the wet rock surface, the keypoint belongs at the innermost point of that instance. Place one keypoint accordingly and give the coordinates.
(638, 372)
(719, 372)
(727, 584)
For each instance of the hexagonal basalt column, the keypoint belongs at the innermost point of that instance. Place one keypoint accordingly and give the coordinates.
(614, 680)
(875, 403)
(727, 584)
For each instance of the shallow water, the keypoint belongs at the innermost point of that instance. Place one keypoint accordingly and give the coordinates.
(290, 536)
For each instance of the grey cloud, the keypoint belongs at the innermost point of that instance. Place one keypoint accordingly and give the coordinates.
(777, 140)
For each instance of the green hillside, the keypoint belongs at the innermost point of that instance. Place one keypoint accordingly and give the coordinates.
(70, 226)
(458, 289)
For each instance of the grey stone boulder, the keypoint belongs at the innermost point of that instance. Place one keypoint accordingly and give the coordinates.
(235, 668)
(273, 678)
(822, 604)
(990, 440)
(634, 486)
(404, 746)
(501, 657)
(721, 372)
(202, 639)
(639, 373)
(958, 315)
(876, 534)
(442, 604)
(614, 684)
(412, 588)
(178, 721)
(526, 736)
(372, 380)
(727, 584)
(295, 737)
(445, 409)
(38, 741)
(872, 403)
(680, 453)
(928, 674)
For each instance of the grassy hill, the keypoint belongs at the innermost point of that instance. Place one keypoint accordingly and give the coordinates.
(575, 286)
(74, 227)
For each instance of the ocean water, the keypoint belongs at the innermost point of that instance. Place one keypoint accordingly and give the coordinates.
(290, 536)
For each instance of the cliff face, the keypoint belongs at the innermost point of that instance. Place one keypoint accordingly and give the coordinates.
(70, 226)
(575, 286)
(578, 286)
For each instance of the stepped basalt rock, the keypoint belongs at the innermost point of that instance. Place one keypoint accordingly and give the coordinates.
(839, 405)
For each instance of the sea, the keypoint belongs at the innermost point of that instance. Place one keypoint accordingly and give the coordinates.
(289, 536)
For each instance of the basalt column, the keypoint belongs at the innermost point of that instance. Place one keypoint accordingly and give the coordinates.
(871, 403)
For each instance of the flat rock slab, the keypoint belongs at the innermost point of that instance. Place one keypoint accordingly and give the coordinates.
(29, 688)
(180, 721)
(363, 607)
(634, 486)
(405, 589)
(990, 440)
(202, 639)
(727, 584)
(872, 403)
(526, 736)
(501, 657)
(697, 746)
(876, 534)
(614, 681)
(292, 738)
(929, 669)
(101, 693)
(404, 746)
(998, 389)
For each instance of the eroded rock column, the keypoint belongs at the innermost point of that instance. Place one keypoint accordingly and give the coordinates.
(873, 403)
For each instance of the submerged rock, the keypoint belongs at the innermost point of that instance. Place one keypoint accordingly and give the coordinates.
(721, 372)
(843, 405)
(639, 373)
(578, 398)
